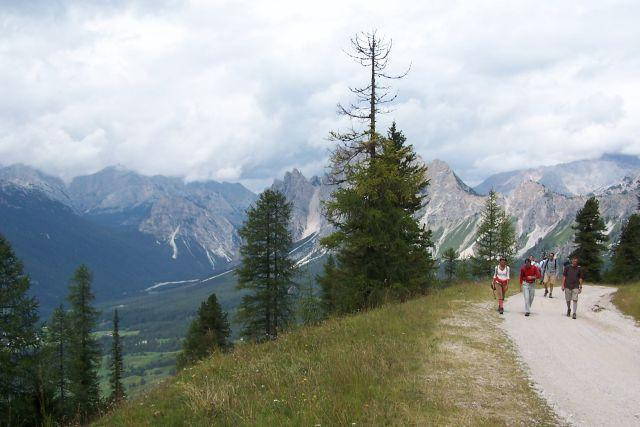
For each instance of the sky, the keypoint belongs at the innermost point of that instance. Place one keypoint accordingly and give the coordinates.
(246, 90)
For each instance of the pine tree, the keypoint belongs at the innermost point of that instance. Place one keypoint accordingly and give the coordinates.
(590, 239)
(208, 332)
(54, 360)
(487, 250)
(18, 341)
(450, 256)
(309, 305)
(626, 256)
(84, 351)
(326, 281)
(381, 250)
(116, 363)
(463, 271)
(506, 236)
(266, 269)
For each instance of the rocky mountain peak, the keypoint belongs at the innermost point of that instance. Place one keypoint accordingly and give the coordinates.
(25, 176)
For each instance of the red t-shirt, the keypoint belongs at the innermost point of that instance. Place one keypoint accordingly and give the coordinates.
(529, 270)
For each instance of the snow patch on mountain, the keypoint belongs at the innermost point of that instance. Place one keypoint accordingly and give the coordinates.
(172, 242)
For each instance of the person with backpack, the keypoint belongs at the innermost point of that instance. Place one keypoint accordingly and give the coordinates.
(550, 273)
(528, 275)
(572, 285)
(500, 282)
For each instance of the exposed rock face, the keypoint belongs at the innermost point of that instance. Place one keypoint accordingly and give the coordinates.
(196, 219)
(30, 178)
(543, 217)
(573, 179)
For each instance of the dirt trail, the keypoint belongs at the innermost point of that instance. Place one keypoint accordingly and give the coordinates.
(588, 369)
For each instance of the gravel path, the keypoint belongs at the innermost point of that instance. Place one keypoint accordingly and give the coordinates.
(588, 369)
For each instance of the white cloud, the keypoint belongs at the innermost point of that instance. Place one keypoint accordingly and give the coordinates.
(246, 90)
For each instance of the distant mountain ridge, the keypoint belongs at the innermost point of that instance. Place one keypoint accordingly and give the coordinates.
(575, 178)
(137, 231)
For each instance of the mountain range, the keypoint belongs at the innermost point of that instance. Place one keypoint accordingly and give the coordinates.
(141, 233)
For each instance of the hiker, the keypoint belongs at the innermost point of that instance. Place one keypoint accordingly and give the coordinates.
(550, 273)
(528, 275)
(500, 283)
(572, 285)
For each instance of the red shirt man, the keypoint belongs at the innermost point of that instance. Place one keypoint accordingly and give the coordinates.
(529, 273)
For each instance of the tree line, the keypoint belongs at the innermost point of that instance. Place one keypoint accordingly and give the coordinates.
(495, 238)
(50, 370)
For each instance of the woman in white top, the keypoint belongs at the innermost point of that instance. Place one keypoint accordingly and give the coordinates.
(500, 282)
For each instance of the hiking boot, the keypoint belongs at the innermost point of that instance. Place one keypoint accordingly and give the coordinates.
(550, 296)
(574, 316)
(568, 312)
(501, 310)
(546, 292)
(526, 314)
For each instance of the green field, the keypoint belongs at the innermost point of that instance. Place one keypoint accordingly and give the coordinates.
(439, 359)
(627, 299)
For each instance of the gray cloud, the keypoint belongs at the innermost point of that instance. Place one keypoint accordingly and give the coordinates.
(246, 90)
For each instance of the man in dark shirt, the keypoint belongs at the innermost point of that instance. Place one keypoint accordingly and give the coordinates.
(572, 285)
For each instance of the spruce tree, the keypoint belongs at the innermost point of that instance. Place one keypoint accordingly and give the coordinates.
(326, 281)
(487, 250)
(116, 363)
(208, 332)
(266, 269)
(310, 309)
(381, 250)
(590, 239)
(55, 361)
(626, 256)
(506, 236)
(450, 256)
(84, 350)
(18, 341)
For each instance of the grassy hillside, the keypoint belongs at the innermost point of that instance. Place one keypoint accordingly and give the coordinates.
(627, 298)
(437, 359)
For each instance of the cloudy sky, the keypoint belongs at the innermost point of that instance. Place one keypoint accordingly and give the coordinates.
(242, 91)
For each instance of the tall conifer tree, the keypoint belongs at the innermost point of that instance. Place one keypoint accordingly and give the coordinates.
(55, 362)
(506, 236)
(487, 249)
(626, 256)
(84, 351)
(18, 341)
(266, 269)
(590, 239)
(208, 332)
(116, 363)
(450, 257)
(380, 248)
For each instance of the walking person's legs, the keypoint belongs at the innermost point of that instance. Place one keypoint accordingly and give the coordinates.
(551, 282)
(527, 291)
(500, 296)
(568, 296)
(574, 297)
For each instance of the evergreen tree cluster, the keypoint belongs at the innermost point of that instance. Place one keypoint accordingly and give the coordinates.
(209, 332)
(50, 373)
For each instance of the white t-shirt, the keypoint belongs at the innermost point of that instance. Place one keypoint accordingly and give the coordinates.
(502, 274)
